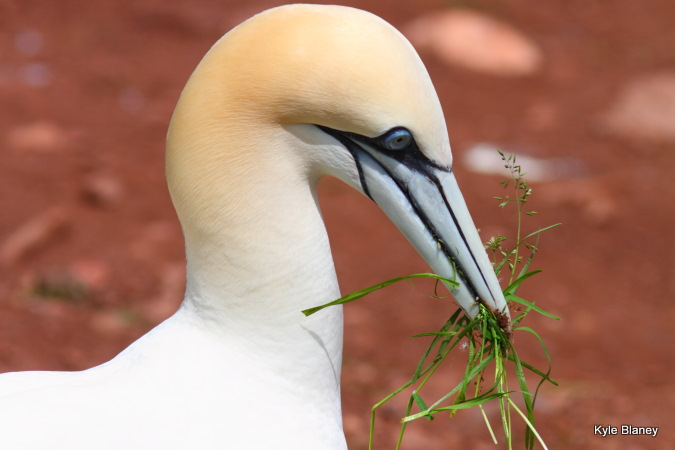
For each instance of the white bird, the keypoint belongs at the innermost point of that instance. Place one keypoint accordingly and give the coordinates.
(291, 95)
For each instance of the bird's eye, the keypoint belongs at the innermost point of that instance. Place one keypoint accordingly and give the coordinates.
(398, 139)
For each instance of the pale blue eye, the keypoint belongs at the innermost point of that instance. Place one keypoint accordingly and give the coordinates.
(398, 139)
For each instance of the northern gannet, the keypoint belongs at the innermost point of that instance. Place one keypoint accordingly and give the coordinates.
(292, 94)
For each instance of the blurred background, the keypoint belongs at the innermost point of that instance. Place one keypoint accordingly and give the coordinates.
(91, 251)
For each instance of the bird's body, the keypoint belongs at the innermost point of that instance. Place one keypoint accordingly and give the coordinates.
(177, 387)
(295, 93)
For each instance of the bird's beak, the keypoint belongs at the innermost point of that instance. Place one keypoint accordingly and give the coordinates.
(425, 203)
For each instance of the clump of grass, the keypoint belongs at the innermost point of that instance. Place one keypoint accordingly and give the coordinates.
(489, 347)
(59, 284)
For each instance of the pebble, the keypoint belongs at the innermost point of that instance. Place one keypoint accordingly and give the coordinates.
(483, 158)
(475, 41)
(92, 273)
(35, 233)
(109, 322)
(29, 42)
(39, 136)
(644, 109)
(102, 189)
(131, 100)
(36, 75)
(596, 199)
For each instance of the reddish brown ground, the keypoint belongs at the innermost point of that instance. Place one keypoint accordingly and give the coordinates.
(89, 171)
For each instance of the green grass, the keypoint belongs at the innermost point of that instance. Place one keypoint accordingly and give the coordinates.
(489, 349)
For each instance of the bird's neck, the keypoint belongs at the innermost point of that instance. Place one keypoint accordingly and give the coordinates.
(264, 262)
(257, 255)
(256, 246)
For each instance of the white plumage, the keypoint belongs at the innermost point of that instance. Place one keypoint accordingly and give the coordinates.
(296, 93)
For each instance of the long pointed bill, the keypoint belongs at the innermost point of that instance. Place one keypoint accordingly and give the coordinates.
(425, 203)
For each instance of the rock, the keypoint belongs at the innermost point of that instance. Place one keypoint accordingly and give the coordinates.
(594, 198)
(475, 41)
(29, 42)
(33, 234)
(483, 158)
(92, 273)
(36, 75)
(102, 189)
(38, 137)
(644, 109)
(131, 100)
(109, 322)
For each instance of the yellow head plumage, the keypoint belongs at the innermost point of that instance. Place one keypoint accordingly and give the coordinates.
(299, 64)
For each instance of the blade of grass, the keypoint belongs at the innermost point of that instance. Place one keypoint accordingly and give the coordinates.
(530, 426)
(539, 231)
(522, 301)
(464, 405)
(513, 286)
(363, 292)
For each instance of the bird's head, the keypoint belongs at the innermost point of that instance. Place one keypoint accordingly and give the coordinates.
(341, 92)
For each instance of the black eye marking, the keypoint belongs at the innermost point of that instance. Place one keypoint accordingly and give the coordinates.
(398, 143)
(397, 139)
